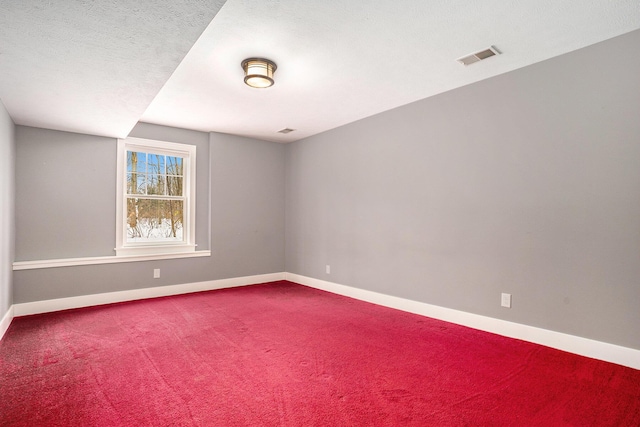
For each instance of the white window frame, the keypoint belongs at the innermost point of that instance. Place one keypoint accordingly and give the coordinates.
(188, 153)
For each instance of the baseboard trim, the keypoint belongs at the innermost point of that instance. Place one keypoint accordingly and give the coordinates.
(558, 340)
(561, 341)
(6, 321)
(46, 306)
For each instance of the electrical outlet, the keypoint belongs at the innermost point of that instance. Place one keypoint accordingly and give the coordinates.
(506, 300)
(156, 273)
(328, 269)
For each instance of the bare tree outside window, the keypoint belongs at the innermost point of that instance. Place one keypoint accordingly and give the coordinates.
(155, 199)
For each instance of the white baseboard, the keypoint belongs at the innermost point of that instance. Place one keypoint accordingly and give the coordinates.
(570, 343)
(573, 344)
(6, 321)
(46, 306)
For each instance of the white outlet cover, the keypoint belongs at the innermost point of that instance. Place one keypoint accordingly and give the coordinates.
(156, 273)
(506, 300)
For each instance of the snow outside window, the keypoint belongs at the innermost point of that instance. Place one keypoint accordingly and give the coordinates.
(155, 197)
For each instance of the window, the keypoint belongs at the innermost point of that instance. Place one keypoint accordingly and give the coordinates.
(155, 198)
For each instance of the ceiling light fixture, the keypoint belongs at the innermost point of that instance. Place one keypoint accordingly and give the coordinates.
(258, 72)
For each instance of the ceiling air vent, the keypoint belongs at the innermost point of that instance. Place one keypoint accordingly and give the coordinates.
(286, 130)
(478, 56)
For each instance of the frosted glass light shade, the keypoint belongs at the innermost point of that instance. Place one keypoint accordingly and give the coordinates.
(258, 72)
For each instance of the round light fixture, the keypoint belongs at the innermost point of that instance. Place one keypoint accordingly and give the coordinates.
(258, 72)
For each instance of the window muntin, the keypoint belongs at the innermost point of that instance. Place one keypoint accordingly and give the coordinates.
(156, 197)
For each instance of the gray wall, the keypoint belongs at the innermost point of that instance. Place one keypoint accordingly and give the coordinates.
(244, 178)
(67, 191)
(7, 200)
(526, 183)
(247, 205)
(65, 194)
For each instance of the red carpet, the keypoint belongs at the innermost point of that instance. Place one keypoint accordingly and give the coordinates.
(281, 354)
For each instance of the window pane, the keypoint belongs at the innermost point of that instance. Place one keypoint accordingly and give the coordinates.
(136, 161)
(174, 219)
(174, 186)
(174, 165)
(152, 220)
(155, 184)
(155, 163)
(156, 177)
(132, 216)
(135, 183)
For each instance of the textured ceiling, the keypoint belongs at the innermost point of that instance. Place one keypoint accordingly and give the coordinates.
(95, 67)
(92, 66)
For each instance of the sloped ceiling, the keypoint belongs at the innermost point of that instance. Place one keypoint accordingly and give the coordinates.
(100, 67)
(92, 66)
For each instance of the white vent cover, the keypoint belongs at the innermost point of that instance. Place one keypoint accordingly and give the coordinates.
(478, 56)
(286, 130)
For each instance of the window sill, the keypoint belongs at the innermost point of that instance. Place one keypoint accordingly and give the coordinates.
(71, 262)
(154, 250)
